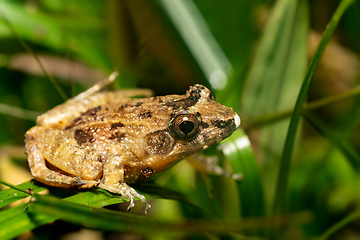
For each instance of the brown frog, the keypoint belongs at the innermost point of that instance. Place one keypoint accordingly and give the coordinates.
(108, 140)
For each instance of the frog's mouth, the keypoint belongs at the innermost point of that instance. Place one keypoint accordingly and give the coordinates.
(222, 129)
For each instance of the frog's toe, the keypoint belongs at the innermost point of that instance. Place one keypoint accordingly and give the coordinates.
(132, 204)
(143, 200)
(147, 206)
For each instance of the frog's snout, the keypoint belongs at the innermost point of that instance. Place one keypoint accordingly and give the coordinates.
(237, 121)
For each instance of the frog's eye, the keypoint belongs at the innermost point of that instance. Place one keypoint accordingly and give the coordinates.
(184, 126)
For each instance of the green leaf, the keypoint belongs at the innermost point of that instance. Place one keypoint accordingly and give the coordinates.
(340, 224)
(15, 220)
(281, 190)
(88, 216)
(276, 73)
(39, 25)
(335, 137)
(238, 151)
(11, 195)
(10, 213)
(44, 209)
(179, 35)
(273, 70)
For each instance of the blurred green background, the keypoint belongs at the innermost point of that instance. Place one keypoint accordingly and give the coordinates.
(253, 54)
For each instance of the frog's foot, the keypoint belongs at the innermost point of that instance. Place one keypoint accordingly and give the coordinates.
(127, 192)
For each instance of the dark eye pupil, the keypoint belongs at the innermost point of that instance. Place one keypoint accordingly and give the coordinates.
(186, 127)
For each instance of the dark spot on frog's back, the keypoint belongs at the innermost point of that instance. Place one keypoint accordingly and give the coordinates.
(83, 136)
(100, 159)
(117, 135)
(84, 117)
(223, 124)
(138, 104)
(116, 125)
(93, 111)
(122, 107)
(76, 121)
(184, 103)
(144, 115)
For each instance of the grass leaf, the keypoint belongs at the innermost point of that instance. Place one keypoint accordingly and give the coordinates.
(11, 195)
(281, 190)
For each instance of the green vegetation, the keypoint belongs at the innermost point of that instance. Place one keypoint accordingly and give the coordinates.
(300, 114)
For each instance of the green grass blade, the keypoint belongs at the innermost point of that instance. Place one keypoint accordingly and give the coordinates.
(18, 112)
(98, 196)
(28, 49)
(183, 39)
(118, 221)
(10, 213)
(14, 220)
(317, 104)
(11, 195)
(240, 155)
(340, 224)
(335, 138)
(51, 25)
(272, 65)
(238, 151)
(44, 209)
(279, 206)
(276, 73)
(17, 223)
(202, 45)
(89, 216)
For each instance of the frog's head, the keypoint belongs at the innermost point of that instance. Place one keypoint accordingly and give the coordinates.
(195, 121)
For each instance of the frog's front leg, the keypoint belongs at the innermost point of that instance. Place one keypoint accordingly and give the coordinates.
(113, 178)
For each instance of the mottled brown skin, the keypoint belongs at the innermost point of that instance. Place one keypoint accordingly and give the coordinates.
(110, 141)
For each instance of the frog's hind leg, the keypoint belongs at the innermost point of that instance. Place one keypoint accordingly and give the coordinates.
(45, 175)
(59, 116)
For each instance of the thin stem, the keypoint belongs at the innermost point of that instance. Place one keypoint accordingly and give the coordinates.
(280, 203)
(28, 49)
(18, 112)
(340, 224)
(13, 186)
(323, 102)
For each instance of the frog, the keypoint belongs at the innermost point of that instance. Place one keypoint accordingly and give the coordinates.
(113, 139)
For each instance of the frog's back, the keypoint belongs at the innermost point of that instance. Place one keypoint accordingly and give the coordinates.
(115, 122)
